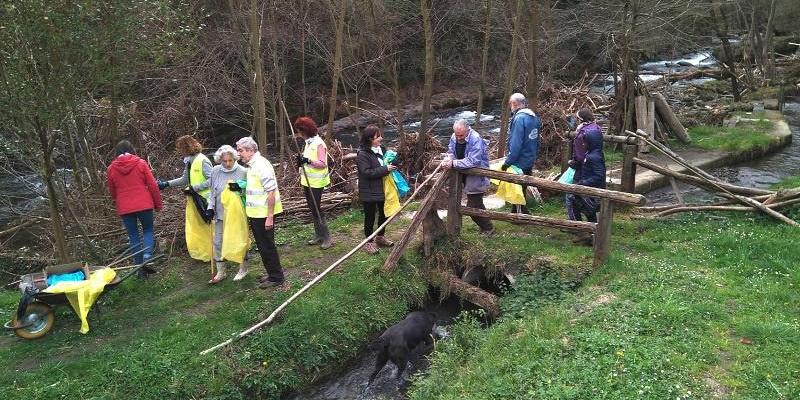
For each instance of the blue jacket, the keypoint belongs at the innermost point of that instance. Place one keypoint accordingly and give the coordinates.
(593, 171)
(476, 155)
(523, 139)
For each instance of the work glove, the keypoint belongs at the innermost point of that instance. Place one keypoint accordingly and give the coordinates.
(188, 190)
(571, 163)
(234, 187)
(162, 184)
(210, 213)
(504, 167)
(301, 160)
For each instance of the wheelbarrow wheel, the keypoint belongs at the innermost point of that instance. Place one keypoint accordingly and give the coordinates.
(37, 321)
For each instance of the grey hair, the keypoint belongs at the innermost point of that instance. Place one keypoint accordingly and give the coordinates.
(519, 98)
(248, 143)
(225, 149)
(462, 122)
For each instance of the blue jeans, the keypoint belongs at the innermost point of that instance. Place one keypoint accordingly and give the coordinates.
(146, 219)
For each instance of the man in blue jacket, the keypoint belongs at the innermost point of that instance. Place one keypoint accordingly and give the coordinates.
(523, 139)
(468, 150)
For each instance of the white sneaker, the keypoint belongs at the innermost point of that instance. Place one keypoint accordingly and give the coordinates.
(243, 270)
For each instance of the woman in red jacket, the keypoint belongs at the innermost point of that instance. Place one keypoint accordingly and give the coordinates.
(136, 194)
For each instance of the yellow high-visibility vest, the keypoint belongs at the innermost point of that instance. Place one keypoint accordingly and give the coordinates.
(255, 195)
(317, 177)
(196, 176)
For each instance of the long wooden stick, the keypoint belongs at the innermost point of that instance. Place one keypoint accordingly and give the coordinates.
(321, 275)
(711, 180)
(698, 181)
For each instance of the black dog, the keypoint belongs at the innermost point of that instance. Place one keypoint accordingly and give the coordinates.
(401, 338)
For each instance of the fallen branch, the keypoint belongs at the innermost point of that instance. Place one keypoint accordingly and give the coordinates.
(712, 180)
(318, 278)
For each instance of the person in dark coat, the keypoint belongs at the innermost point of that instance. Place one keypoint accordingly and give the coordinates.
(371, 170)
(136, 194)
(587, 124)
(593, 173)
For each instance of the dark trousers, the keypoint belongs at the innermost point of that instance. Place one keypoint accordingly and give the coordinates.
(131, 222)
(265, 241)
(580, 205)
(523, 209)
(317, 215)
(370, 209)
(476, 201)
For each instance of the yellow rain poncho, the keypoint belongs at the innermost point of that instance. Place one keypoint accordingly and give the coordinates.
(510, 192)
(82, 294)
(236, 237)
(391, 199)
(199, 234)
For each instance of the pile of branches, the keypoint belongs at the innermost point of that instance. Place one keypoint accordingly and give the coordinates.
(408, 158)
(556, 102)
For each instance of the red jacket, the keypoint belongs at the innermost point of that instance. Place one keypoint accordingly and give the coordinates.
(132, 185)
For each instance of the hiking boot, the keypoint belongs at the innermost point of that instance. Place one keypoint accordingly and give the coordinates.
(381, 241)
(315, 241)
(487, 232)
(327, 243)
(371, 248)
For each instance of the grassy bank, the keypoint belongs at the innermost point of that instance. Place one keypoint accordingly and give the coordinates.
(701, 306)
(145, 342)
(746, 135)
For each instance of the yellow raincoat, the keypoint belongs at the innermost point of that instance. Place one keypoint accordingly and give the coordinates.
(82, 294)
(236, 237)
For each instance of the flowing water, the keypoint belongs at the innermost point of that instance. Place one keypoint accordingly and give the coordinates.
(760, 173)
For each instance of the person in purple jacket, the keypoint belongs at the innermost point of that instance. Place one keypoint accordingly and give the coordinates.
(579, 151)
(468, 150)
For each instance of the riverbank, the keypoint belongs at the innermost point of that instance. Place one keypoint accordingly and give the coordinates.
(755, 136)
(700, 306)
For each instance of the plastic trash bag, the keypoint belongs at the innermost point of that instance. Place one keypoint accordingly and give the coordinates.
(236, 237)
(510, 192)
(568, 176)
(199, 234)
(391, 199)
(399, 180)
(82, 294)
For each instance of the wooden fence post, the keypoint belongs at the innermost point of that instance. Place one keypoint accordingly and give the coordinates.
(628, 180)
(566, 153)
(602, 236)
(454, 203)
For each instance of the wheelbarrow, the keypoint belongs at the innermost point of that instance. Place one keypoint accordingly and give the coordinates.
(35, 316)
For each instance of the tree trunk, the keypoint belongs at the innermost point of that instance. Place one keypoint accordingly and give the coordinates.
(487, 32)
(427, 89)
(532, 81)
(337, 68)
(510, 75)
(769, 51)
(259, 108)
(720, 23)
(47, 171)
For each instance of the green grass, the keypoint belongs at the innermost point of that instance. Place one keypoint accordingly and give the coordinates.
(146, 342)
(701, 306)
(788, 183)
(745, 136)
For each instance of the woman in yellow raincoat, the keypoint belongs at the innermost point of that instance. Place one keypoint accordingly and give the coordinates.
(231, 237)
(195, 181)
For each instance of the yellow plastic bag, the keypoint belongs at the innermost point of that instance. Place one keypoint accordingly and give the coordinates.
(391, 199)
(82, 294)
(510, 192)
(199, 234)
(236, 237)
